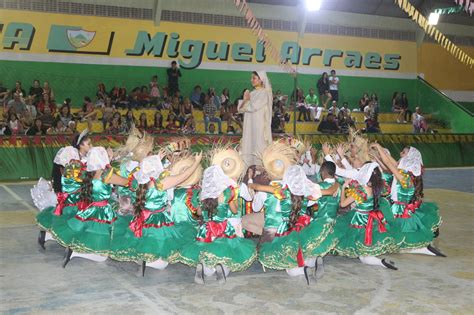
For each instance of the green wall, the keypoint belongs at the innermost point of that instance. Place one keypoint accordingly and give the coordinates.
(79, 80)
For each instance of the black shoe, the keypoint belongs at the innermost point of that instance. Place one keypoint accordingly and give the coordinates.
(436, 251)
(319, 267)
(306, 274)
(143, 268)
(42, 239)
(199, 275)
(221, 278)
(68, 257)
(436, 233)
(389, 265)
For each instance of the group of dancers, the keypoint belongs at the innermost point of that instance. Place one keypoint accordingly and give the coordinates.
(164, 205)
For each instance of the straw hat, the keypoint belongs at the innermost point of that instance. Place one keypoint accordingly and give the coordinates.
(138, 144)
(182, 165)
(300, 145)
(230, 161)
(276, 158)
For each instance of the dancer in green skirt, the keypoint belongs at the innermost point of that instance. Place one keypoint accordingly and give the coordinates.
(151, 236)
(418, 221)
(217, 248)
(364, 232)
(87, 234)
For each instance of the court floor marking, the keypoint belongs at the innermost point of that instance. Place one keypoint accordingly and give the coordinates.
(19, 199)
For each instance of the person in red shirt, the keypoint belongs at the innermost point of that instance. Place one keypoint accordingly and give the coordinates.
(46, 101)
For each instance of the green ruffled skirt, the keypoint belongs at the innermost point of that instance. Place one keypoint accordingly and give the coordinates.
(281, 252)
(46, 218)
(89, 231)
(236, 253)
(318, 239)
(161, 239)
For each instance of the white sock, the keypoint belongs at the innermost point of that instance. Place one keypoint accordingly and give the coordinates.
(209, 271)
(158, 264)
(310, 262)
(93, 257)
(371, 260)
(293, 272)
(49, 237)
(424, 251)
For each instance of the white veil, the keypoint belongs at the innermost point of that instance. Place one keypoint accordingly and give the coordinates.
(269, 108)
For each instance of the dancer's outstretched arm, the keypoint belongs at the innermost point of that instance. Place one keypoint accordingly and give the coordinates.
(173, 181)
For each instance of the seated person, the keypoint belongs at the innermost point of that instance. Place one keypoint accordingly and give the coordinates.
(329, 124)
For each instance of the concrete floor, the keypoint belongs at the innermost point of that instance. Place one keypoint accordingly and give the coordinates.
(32, 280)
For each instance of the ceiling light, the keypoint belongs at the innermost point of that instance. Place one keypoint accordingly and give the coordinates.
(313, 5)
(433, 18)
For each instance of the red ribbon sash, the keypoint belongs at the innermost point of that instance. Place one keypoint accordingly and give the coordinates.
(62, 197)
(378, 216)
(138, 223)
(215, 230)
(409, 207)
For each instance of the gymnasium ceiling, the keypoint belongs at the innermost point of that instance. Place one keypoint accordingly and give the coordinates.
(383, 8)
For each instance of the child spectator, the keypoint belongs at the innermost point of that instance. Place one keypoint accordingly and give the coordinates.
(154, 91)
(107, 112)
(100, 94)
(142, 122)
(158, 121)
(419, 122)
(334, 86)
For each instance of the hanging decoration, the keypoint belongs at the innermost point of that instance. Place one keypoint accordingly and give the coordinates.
(450, 10)
(468, 5)
(262, 36)
(434, 33)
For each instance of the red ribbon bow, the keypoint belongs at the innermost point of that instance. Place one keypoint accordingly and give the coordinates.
(138, 223)
(62, 197)
(378, 216)
(214, 230)
(409, 207)
(303, 220)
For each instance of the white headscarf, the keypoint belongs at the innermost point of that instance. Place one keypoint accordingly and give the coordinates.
(299, 185)
(150, 167)
(65, 155)
(269, 108)
(365, 172)
(214, 182)
(412, 162)
(97, 159)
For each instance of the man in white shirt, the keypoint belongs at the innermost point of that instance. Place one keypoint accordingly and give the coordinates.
(334, 86)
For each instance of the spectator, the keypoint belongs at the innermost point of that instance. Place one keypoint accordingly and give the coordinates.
(374, 98)
(73, 127)
(212, 129)
(130, 121)
(225, 98)
(344, 120)
(172, 122)
(189, 126)
(187, 108)
(214, 98)
(419, 122)
(142, 122)
(17, 103)
(58, 128)
(88, 109)
(197, 97)
(133, 98)
(363, 102)
(64, 115)
(329, 124)
(279, 118)
(173, 75)
(177, 110)
(143, 97)
(397, 107)
(47, 118)
(4, 93)
(36, 91)
(30, 114)
(334, 109)
(210, 111)
(179, 96)
(371, 121)
(101, 95)
(154, 91)
(37, 129)
(334, 86)
(48, 90)
(108, 109)
(122, 101)
(404, 106)
(18, 89)
(158, 121)
(323, 86)
(230, 130)
(301, 105)
(369, 111)
(14, 124)
(313, 105)
(115, 95)
(46, 102)
(116, 125)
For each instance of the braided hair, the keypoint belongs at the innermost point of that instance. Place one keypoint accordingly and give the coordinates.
(377, 184)
(86, 192)
(140, 200)
(296, 203)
